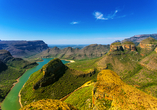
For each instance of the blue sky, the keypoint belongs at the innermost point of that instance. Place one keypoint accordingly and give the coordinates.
(76, 21)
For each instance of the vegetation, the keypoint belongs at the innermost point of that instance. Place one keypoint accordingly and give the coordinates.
(116, 43)
(149, 40)
(62, 87)
(15, 68)
(128, 42)
(82, 98)
(49, 104)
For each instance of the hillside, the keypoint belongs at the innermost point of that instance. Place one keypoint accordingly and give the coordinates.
(134, 67)
(23, 49)
(11, 69)
(91, 51)
(54, 81)
(48, 104)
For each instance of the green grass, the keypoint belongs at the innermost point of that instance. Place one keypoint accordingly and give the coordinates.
(65, 85)
(84, 65)
(81, 99)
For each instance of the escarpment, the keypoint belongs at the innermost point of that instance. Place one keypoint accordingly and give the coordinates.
(125, 46)
(23, 49)
(51, 72)
(148, 43)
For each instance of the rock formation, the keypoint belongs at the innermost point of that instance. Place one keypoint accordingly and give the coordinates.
(23, 48)
(148, 43)
(118, 46)
(51, 72)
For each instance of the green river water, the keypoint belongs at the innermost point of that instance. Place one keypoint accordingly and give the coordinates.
(11, 102)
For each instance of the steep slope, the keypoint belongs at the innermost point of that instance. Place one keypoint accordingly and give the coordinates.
(48, 104)
(53, 81)
(137, 68)
(110, 92)
(23, 49)
(91, 51)
(10, 69)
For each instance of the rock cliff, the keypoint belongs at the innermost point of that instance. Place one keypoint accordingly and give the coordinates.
(118, 46)
(148, 43)
(23, 48)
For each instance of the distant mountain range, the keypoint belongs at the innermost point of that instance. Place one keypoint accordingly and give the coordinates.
(138, 38)
(23, 48)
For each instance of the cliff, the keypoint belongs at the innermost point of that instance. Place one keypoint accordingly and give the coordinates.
(91, 51)
(148, 43)
(110, 92)
(23, 48)
(118, 46)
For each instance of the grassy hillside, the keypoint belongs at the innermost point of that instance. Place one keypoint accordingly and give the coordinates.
(48, 105)
(15, 68)
(70, 80)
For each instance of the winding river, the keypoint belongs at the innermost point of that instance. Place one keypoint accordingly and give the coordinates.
(11, 102)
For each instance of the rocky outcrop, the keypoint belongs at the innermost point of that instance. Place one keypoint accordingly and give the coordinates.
(23, 48)
(118, 46)
(51, 72)
(91, 51)
(49, 104)
(148, 43)
(110, 92)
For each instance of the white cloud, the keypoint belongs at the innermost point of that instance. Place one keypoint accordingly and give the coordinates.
(112, 15)
(99, 15)
(74, 22)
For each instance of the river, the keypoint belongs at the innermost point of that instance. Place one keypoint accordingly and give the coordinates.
(11, 102)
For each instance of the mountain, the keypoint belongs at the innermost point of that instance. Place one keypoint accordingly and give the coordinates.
(109, 92)
(126, 79)
(138, 38)
(136, 68)
(54, 81)
(91, 51)
(23, 49)
(10, 69)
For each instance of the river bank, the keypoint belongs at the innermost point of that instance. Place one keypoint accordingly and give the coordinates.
(19, 94)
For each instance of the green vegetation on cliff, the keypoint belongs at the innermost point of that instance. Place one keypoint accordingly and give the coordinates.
(69, 81)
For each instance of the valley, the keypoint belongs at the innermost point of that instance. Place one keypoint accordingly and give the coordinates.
(101, 76)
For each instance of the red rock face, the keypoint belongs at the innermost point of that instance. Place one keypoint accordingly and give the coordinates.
(116, 48)
(148, 46)
(123, 47)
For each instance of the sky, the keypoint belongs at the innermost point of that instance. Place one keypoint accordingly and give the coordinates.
(76, 21)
